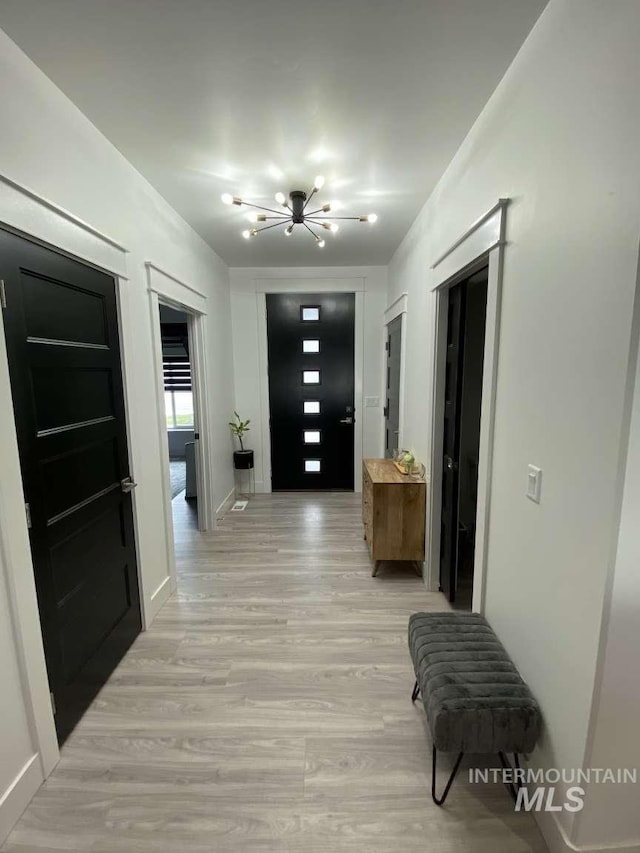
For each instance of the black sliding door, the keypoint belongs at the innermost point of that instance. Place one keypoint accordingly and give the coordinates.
(311, 390)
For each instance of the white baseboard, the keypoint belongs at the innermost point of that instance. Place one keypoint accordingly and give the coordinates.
(557, 840)
(226, 503)
(19, 794)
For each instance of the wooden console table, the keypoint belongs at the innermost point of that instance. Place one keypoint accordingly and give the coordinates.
(393, 513)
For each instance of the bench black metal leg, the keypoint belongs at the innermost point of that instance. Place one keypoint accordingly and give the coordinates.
(416, 690)
(439, 801)
(515, 786)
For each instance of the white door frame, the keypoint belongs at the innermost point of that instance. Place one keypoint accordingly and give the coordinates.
(481, 245)
(354, 285)
(167, 290)
(398, 308)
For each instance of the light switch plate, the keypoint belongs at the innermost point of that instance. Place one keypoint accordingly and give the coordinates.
(371, 402)
(534, 483)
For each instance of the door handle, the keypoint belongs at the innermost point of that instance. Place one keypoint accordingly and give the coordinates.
(346, 420)
(127, 485)
(450, 464)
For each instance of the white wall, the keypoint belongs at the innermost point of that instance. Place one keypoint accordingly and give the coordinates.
(49, 147)
(250, 369)
(615, 740)
(560, 137)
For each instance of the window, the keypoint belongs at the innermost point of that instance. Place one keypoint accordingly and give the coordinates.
(312, 466)
(310, 313)
(178, 407)
(311, 377)
(312, 436)
(311, 407)
(310, 345)
(176, 369)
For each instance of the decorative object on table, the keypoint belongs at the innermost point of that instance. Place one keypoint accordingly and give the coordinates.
(296, 214)
(405, 462)
(242, 459)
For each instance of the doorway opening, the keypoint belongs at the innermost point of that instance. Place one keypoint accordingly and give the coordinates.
(311, 367)
(463, 385)
(393, 385)
(180, 407)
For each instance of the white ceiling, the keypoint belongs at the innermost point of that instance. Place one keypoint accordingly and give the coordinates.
(254, 96)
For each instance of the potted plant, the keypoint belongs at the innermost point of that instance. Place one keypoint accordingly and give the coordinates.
(242, 459)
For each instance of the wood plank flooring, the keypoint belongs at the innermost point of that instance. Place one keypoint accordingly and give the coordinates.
(267, 709)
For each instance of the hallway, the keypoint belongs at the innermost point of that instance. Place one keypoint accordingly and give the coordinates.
(267, 709)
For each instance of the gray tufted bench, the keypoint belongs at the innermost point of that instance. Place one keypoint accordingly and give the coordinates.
(473, 695)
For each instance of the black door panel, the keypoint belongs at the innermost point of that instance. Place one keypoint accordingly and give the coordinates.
(461, 437)
(64, 360)
(311, 390)
(451, 441)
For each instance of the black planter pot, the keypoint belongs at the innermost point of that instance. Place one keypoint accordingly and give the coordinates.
(242, 459)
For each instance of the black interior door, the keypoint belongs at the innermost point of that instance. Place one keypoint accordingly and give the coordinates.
(392, 405)
(451, 440)
(64, 359)
(311, 390)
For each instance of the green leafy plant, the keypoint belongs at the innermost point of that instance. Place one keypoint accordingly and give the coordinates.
(239, 428)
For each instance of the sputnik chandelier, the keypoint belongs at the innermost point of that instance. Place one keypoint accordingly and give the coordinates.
(296, 214)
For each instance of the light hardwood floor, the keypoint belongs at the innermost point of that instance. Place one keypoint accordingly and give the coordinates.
(268, 709)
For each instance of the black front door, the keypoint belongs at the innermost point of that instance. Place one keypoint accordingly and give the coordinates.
(451, 441)
(392, 405)
(61, 327)
(311, 390)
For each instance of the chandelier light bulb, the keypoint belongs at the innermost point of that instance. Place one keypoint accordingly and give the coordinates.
(321, 243)
(334, 227)
(326, 226)
(246, 234)
(318, 183)
(227, 198)
(288, 231)
(326, 208)
(373, 217)
(281, 198)
(252, 217)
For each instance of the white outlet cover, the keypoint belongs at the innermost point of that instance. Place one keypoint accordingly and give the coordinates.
(372, 402)
(534, 483)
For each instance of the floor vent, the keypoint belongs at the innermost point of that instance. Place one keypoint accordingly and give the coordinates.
(239, 506)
